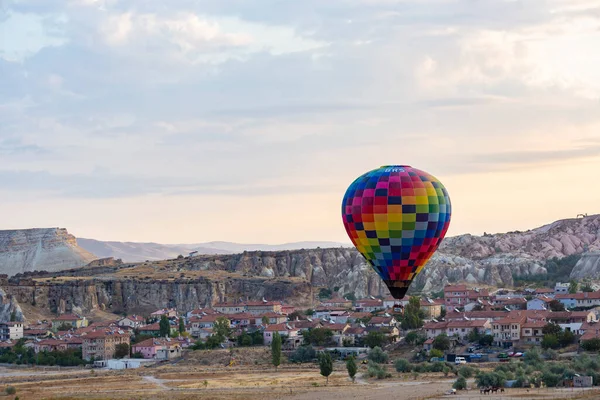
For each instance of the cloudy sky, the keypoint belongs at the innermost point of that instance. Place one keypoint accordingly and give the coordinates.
(196, 120)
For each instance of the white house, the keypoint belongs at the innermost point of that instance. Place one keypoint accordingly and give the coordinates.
(11, 331)
(561, 288)
(539, 303)
(132, 321)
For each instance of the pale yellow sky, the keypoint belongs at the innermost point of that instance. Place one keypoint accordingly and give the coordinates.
(212, 121)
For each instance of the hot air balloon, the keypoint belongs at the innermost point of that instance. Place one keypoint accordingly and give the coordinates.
(396, 217)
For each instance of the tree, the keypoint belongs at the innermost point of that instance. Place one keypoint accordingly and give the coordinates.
(556, 305)
(566, 338)
(350, 296)
(441, 342)
(221, 328)
(318, 336)
(326, 365)
(121, 350)
(295, 315)
(436, 353)
(378, 355)
(587, 287)
(402, 365)
(351, 367)
(412, 318)
(411, 337)
(181, 325)
(443, 313)
(325, 293)
(573, 286)
(13, 316)
(264, 320)
(551, 329)
(276, 350)
(164, 326)
(303, 354)
(474, 336)
(375, 339)
(486, 340)
(550, 342)
(460, 384)
(591, 344)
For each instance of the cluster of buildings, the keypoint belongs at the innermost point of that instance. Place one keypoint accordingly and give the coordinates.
(515, 317)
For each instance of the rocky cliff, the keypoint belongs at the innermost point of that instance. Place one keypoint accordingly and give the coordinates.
(50, 249)
(588, 267)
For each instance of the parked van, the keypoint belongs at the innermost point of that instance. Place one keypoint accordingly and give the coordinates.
(460, 360)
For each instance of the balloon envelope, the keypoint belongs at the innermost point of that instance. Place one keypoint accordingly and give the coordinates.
(396, 217)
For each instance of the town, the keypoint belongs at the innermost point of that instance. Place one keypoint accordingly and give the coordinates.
(464, 320)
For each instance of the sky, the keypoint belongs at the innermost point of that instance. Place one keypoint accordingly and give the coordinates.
(189, 121)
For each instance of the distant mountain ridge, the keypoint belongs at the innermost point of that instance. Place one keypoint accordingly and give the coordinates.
(138, 251)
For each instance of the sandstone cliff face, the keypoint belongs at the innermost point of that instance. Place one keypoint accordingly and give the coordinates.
(588, 267)
(8, 305)
(51, 249)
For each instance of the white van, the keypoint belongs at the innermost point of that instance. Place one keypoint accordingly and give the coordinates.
(460, 360)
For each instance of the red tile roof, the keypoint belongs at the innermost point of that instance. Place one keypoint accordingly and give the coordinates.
(67, 317)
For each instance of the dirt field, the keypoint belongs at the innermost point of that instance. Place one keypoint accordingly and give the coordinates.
(204, 375)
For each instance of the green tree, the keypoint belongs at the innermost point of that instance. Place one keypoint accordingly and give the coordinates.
(413, 317)
(221, 328)
(121, 350)
(587, 287)
(436, 353)
(465, 372)
(326, 365)
(264, 320)
(164, 326)
(303, 354)
(591, 344)
(566, 338)
(350, 296)
(474, 336)
(486, 340)
(551, 329)
(294, 316)
(318, 336)
(443, 313)
(276, 350)
(441, 342)
(181, 325)
(351, 367)
(375, 339)
(325, 293)
(402, 365)
(13, 316)
(550, 342)
(411, 337)
(378, 355)
(460, 384)
(556, 305)
(573, 286)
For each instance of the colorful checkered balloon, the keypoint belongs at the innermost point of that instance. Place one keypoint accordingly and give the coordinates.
(396, 216)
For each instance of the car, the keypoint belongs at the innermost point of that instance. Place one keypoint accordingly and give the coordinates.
(460, 360)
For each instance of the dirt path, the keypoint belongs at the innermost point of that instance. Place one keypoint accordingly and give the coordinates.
(159, 382)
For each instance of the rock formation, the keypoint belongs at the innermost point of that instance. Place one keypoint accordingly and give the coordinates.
(52, 249)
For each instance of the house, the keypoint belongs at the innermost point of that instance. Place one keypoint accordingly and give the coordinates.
(355, 316)
(271, 317)
(435, 328)
(546, 292)
(368, 305)
(488, 315)
(462, 329)
(388, 321)
(50, 345)
(479, 305)
(171, 313)
(11, 331)
(74, 342)
(561, 288)
(567, 317)
(428, 344)
(287, 309)
(356, 332)
(150, 329)
(72, 320)
(36, 333)
(287, 330)
(240, 320)
(539, 303)
(132, 321)
(532, 331)
(431, 308)
(208, 321)
(305, 325)
(157, 349)
(230, 308)
(261, 307)
(584, 299)
(512, 303)
(101, 345)
(456, 295)
(325, 312)
(337, 329)
(575, 327)
(337, 302)
(507, 331)
(390, 302)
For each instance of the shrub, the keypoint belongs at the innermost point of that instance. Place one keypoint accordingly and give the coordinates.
(303, 354)
(378, 355)
(550, 354)
(10, 390)
(403, 365)
(533, 356)
(460, 384)
(591, 345)
(550, 342)
(465, 372)
(446, 370)
(379, 371)
(550, 379)
(436, 367)
(436, 353)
